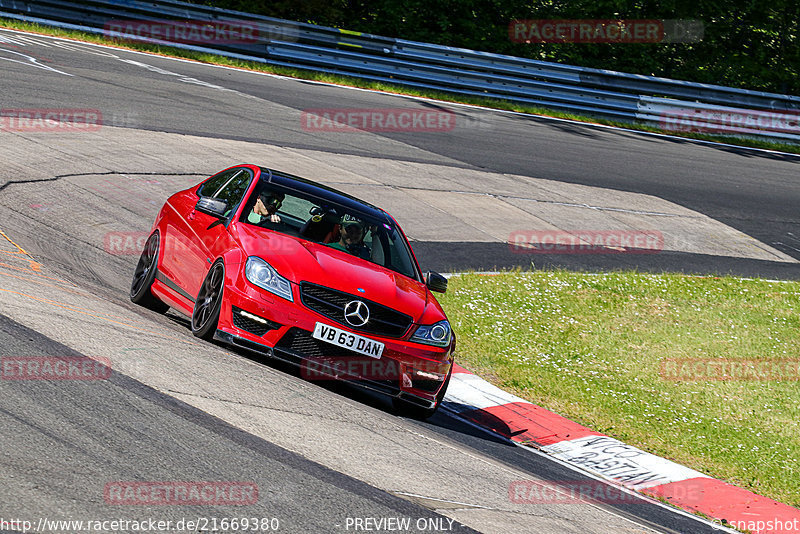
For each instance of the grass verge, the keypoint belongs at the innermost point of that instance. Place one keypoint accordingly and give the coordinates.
(379, 86)
(591, 347)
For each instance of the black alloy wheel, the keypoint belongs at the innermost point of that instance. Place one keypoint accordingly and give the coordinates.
(145, 274)
(209, 302)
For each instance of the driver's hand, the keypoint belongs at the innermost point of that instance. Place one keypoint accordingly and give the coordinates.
(275, 218)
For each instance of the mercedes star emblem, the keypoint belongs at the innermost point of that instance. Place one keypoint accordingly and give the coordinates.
(356, 313)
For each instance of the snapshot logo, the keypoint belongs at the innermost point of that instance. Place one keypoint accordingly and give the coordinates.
(761, 526)
(377, 120)
(730, 121)
(181, 493)
(586, 242)
(184, 31)
(722, 369)
(604, 31)
(54, 368)
(50, 120)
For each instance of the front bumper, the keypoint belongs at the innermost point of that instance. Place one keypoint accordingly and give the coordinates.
(267, 324)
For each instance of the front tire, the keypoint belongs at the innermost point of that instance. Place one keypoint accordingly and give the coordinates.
(205, 315)
(145, 274)
(407, 409)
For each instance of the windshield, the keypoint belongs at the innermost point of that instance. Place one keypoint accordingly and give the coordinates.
(322, 221)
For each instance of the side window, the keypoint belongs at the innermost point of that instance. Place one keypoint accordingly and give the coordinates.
(234, 189)
(215, 183)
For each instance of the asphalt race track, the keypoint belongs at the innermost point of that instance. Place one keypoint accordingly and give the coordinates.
(750, 191)
(321, 455)
(66, 438)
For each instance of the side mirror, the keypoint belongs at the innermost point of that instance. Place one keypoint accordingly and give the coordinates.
(212, 206)
(435, 282)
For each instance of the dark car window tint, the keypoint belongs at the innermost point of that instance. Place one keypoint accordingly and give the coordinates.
(292, 211)
(318, 220)
(215, 183)
(234, 190)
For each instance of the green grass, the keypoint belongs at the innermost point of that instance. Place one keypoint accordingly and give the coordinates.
(589, 347)
(379, 86)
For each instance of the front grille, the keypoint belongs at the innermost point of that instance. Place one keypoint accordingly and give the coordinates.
(300, 342)
(249, 325)
(300, 348)
(383, 320)
(297, 346)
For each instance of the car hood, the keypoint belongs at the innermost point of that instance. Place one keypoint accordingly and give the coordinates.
(304, 261)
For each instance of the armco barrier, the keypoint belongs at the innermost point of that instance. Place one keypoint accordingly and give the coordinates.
(671, 104)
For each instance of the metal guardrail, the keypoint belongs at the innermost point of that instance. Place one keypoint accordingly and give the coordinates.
(672, 104)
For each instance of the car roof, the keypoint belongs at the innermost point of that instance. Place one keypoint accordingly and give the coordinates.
(304, 185)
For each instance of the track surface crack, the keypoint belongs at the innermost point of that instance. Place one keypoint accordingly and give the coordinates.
(107, 173)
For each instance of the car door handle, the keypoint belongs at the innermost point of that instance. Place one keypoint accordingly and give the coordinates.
(191, 215)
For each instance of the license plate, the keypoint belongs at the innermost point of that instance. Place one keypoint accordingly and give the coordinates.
(343, 338)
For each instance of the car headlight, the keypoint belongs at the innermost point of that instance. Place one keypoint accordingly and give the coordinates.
(438, 334)
(265, 276)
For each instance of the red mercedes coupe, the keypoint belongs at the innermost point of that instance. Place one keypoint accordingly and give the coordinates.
(296, 270)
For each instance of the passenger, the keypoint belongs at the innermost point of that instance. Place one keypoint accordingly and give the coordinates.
(266, 208)
(352, 240)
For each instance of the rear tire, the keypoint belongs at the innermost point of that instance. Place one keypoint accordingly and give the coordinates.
(145, 274)
(413, 411)
(205, 315)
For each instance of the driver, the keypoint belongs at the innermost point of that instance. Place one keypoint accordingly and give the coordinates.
(352, 240)
(266, 207)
